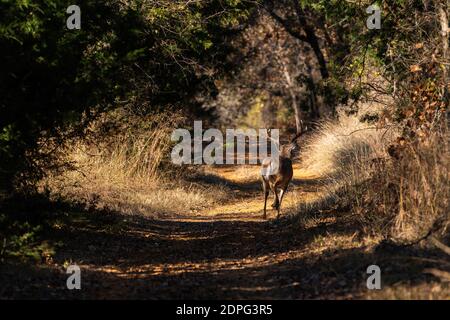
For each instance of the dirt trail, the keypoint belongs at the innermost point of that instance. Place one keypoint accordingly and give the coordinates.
(247, 198)
(225, 252)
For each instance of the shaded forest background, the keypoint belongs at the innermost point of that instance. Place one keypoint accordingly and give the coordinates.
(76, 105)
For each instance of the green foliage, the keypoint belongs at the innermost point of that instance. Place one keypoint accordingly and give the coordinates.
(55, 80)
(20, 240)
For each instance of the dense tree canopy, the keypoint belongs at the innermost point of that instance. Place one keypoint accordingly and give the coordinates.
(151, 54)
(54, 80)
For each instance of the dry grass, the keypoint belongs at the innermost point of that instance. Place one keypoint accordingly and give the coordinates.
(341, 153)
(408, 291)
(127, 169)
(412, 192)
(403, 198)
(332, 151)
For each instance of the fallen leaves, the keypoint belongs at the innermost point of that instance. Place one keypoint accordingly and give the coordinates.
(415, 68)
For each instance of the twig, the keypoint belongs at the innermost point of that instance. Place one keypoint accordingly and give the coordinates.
(362, 129)
(440, 245)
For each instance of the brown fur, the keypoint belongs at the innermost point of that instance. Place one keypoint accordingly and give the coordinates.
(281, 178)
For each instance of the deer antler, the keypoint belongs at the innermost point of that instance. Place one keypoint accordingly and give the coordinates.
(303, 129)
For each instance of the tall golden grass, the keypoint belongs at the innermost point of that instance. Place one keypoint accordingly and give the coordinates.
(127, 149)
(413, 190)
(125, 166)
(399, 198)
(340, 154)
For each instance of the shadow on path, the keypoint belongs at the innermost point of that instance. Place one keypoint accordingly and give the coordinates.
(141, 258)
(230, 255)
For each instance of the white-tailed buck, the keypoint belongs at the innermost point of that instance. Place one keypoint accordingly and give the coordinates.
(277, 177)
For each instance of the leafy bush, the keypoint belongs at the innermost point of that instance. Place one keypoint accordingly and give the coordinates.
(55, 81)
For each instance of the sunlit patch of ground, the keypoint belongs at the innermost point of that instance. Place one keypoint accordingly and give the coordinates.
(251, 206)
(227, 251)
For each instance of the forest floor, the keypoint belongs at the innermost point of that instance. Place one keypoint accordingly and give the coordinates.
(227, 252)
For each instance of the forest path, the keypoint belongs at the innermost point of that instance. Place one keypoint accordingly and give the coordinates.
(228, 251)
(246, 201)
(225, 252)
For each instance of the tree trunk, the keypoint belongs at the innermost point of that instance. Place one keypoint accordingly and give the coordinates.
(444, 29)
(295, 105)
(297, 114)
(311, 86)
(312, 39)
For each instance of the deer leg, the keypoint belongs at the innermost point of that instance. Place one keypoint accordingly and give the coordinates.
(266, 194)
(282, 192)
(276, 202)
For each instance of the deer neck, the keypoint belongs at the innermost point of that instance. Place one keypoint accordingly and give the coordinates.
(285, 154)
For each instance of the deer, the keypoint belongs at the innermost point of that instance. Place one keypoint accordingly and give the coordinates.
(278, 177)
